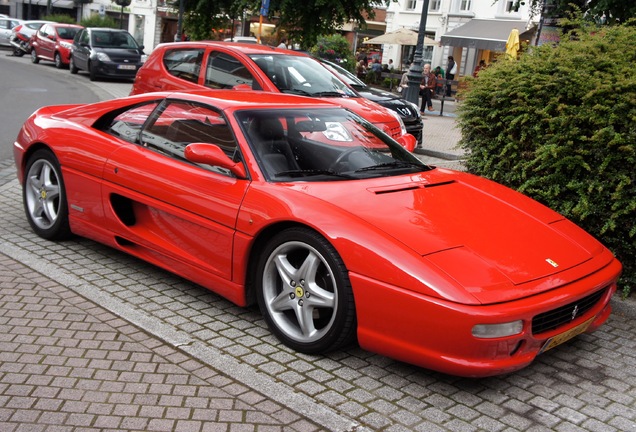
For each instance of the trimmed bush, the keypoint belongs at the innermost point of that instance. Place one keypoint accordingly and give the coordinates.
(98, 21)
(335, 48)
(59, 18)
(559, 125)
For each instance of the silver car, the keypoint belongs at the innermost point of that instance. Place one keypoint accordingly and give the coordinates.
(6, 27)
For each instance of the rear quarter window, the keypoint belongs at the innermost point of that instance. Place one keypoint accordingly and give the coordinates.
(184, 63)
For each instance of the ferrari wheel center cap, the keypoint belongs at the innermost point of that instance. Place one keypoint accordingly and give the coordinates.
(299, 291)
(43, 194)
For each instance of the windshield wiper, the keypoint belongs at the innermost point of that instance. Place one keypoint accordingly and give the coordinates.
(298, 173)
(329, 94)
(297, 91)
(391, 165)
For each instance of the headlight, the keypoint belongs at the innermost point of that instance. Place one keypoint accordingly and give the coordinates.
(143, 58)
(399, 119)
(489, 331)
(66, 45)
(103, 57)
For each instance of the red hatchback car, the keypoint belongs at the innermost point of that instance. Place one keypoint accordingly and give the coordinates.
(242, 66)
(53, 42)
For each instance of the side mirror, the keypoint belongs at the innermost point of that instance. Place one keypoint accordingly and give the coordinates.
(407, 141)
(211, 154)
(242, 87)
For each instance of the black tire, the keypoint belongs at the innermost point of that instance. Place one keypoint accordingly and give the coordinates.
(57, 59)
(313, 310)
(92, 72)
(18, 52)
(72, 67)
(34, 57)
(44, 197)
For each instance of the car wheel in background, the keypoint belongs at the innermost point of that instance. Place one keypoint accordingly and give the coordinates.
(58, 61)
(44, 197)
(92, 71)
(304, 292)
(34, 57)
(72, 67)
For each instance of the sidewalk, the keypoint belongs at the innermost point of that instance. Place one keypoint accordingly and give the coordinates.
(441, 136)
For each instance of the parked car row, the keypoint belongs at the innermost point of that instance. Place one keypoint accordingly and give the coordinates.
(114, 53)
(102, 52)
(192, 65)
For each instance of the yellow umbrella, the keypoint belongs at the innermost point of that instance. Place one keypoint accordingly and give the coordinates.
(512, 46)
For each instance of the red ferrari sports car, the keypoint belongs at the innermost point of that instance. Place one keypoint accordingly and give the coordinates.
(324, 220)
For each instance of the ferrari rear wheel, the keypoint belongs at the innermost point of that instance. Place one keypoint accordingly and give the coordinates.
(304, 292)
(44, 197)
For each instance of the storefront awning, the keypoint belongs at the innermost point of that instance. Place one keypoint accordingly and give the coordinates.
(485, 34)
(67, 4)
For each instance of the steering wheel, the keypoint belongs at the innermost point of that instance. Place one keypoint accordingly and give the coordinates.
(344, 155)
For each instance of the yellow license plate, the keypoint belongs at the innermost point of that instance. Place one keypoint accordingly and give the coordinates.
(566, 336)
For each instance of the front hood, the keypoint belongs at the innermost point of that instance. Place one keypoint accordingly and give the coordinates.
(367, 109)
(121, 54)
(482, 235)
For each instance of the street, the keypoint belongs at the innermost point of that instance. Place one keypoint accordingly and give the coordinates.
(90, 334)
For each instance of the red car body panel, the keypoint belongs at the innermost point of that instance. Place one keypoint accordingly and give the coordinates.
(429, 255)
(46, 46)
(153, 76)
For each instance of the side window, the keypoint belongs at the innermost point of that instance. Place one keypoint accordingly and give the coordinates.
(180, 123)
(184, 63)
(126, 125)
(224, 71)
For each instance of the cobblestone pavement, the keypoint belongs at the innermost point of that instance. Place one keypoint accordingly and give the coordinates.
(92, 338)
(95, 339)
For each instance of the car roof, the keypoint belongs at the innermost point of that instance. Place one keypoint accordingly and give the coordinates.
(246, 48)
(66, 25)
(233, 99)
(106, 29)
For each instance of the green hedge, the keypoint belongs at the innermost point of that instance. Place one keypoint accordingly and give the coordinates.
(559, 125)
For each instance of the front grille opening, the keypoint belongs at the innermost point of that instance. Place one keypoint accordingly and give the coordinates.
(555, 318)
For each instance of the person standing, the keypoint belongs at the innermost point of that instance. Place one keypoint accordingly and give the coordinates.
(283, 43)
(451, 70)
(427, 87)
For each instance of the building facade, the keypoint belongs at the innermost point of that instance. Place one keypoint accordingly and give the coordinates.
(468, 30)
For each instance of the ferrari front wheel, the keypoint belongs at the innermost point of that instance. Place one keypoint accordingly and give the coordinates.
(304, 292)
(44, 197)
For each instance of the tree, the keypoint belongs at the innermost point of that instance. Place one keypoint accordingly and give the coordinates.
(602, 11)
(559, 125)
(303, 21)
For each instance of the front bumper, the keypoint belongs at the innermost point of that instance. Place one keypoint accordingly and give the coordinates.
(437, 334)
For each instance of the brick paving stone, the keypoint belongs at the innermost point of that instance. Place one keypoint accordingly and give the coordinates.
(45, 386)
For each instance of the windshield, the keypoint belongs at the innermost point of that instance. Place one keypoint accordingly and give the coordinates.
(109, 39)
(301, 75)
(344, 74)
(323, 144)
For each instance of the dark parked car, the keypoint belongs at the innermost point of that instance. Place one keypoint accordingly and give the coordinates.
(106, 52)
(408, 111)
